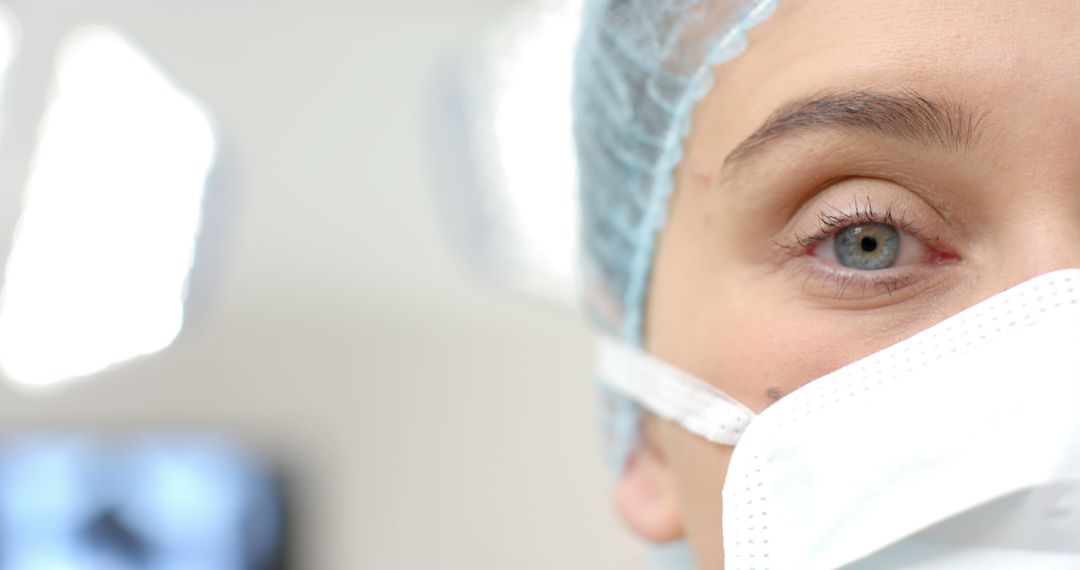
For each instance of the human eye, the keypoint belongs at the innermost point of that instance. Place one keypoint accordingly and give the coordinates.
(865, 240)
(865, 251)
(868, 246)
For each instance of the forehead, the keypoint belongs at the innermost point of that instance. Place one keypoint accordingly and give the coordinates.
(1021, 63)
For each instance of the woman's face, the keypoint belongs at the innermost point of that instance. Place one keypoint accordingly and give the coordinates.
(866, 169)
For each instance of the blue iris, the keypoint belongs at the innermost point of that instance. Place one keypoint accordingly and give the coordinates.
(868, 246)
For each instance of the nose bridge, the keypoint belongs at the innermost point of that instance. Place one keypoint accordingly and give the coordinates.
(1043, 236)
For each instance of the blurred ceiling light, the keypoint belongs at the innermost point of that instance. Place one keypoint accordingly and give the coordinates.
(9, 42)
(517, 123)
(98, 270)
(535, 144)
(9, 37)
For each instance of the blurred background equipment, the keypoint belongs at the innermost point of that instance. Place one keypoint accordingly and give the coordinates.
(218, 217)
(153, 503)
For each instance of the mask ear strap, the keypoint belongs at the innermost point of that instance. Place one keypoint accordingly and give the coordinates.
(671, 393)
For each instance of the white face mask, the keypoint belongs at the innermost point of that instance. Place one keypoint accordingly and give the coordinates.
(956, 448)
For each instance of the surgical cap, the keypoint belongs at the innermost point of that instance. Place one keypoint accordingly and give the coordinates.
(641, 66)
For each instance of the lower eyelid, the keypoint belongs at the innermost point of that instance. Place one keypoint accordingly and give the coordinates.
(843, 284)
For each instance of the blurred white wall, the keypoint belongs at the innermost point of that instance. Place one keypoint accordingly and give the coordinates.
(428, 419)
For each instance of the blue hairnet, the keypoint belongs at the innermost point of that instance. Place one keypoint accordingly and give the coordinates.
(641, 66)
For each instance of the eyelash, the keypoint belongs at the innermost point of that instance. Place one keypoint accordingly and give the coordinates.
(833, 223)
(842, 280)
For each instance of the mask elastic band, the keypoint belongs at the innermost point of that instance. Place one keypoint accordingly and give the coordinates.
(672, 394)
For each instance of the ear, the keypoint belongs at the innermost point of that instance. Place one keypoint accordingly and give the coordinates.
(645, 494)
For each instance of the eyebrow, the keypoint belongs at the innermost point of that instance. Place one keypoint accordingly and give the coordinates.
(940, 123)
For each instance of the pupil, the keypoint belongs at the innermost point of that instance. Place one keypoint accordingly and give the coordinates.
(868, 244)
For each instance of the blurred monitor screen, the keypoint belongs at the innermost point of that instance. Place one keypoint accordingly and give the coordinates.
(83, 503)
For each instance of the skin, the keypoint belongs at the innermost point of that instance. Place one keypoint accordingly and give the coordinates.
(757, 319)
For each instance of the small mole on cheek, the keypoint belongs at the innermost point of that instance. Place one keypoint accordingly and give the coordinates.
(775, 393)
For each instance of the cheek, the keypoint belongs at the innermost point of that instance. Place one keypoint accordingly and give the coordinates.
(699, 469)
(758, 342)
(748, 335)
(761, 349)
(746, 340)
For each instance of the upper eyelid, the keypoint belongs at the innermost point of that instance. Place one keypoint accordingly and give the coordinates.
(833, 223)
